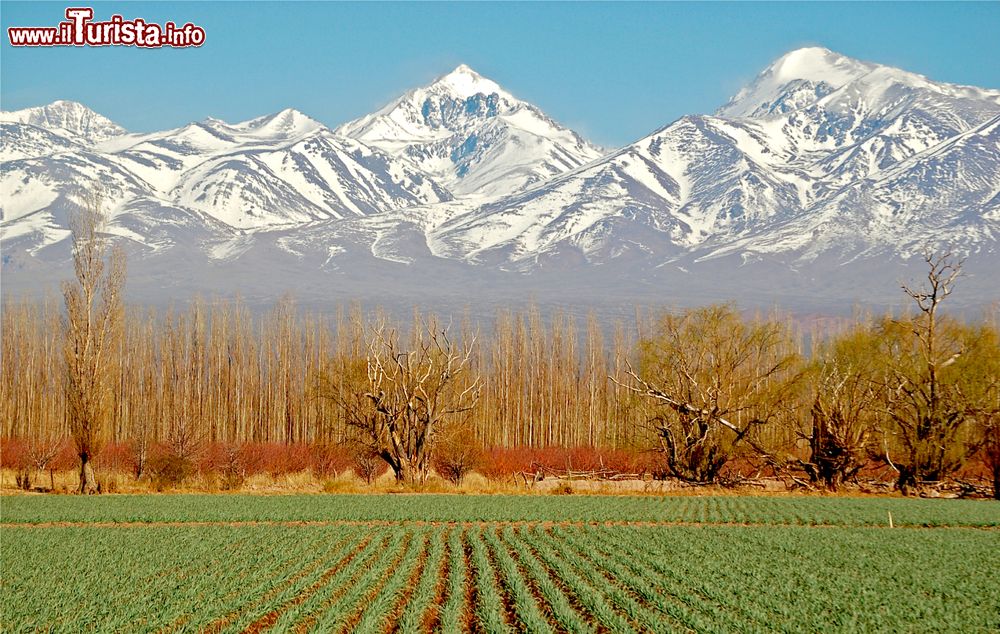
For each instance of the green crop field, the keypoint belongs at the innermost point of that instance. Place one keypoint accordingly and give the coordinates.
(497, 564)
(798, 510)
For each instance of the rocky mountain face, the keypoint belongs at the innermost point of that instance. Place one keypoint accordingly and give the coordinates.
(815, 185)
(820, 154)
(473, 136)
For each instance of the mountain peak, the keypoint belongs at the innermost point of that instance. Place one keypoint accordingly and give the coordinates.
(472, 136)
(795, 79)
(463, 82)
(284, 123)
(816, 64)
(63, 104)
(68, 116)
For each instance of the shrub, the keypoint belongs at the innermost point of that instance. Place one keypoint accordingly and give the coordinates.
(330, 459)
(500, 463)
(458, 454)
(368, 465)
(168, 469)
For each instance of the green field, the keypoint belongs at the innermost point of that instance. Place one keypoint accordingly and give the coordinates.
(799, 510)
(497, 564)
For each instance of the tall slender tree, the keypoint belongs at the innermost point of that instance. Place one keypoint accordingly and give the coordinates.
(92, 327)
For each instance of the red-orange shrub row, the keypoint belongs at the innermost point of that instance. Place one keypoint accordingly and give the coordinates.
(245, 458)
(502, 463)
(19, 454)
(248, 459)
(275, 458)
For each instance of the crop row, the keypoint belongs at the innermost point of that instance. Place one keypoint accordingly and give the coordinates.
(452, 508)
(498, 578)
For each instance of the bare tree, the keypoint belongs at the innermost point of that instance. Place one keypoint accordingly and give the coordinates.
(989, 417)
(92, 326)
(844, 409)
(937, 381)
(41, 451)
(398, 404)
(721, 381)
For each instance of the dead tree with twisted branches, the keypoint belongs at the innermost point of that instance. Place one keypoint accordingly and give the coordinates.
(401, 394)
(843, 414)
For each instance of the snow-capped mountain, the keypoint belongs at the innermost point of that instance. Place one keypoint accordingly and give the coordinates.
(667, 193)
(273, 170)
(794, 81)
(818, 146)
(821, 178)
(948, 195)
(69, 118)
(473, 136)
(18, 141)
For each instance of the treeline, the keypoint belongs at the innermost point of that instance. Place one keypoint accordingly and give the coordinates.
(216, 373)
(705, 388)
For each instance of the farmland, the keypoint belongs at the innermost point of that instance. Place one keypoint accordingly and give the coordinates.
(790, 510)
(497, 564)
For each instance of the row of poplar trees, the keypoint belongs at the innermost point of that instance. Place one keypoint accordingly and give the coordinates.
(704, 387)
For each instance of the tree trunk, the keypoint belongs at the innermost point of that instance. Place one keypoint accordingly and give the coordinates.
(996, 481)
(88, 482)
(140, 461)
(409, 471)
(404, 475)
(907, 479)
(833, 480)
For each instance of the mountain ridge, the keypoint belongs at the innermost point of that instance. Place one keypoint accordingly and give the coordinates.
(820, 161)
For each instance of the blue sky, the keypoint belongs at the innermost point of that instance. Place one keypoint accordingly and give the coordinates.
(613, 71)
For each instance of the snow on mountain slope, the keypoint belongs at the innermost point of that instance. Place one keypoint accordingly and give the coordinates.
(273, 170)
(797, 79)
(316, 176)
(663, 194)
(848, 119)
(31, 185)
(815, 136)
(19, 141)
(68, 117)
(473, 136)
(948, 195)
(823, 166)
(287, 124)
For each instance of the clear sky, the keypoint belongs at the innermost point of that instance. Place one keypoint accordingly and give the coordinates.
(612, 71)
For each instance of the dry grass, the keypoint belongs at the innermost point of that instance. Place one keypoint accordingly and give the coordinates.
(67, 482)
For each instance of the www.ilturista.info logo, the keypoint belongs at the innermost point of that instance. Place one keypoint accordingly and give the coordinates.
(80, 30)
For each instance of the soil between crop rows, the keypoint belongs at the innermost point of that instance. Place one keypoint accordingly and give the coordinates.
(555, 575)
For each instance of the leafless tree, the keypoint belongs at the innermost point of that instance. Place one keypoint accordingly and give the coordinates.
(989, 416)
(92, 326)
(721, 380)
(936, 380)
(844, 407)
(41, 451)
(399, 403)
